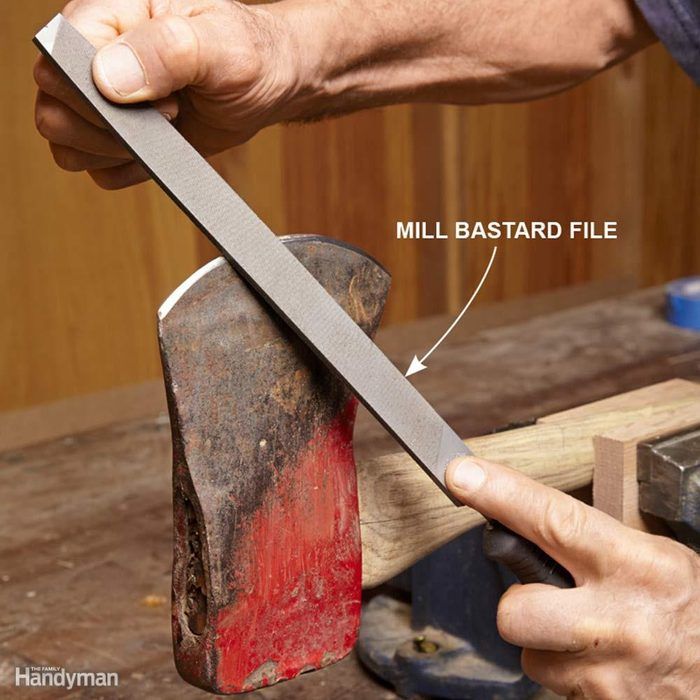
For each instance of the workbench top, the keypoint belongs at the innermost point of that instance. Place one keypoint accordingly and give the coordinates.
(85, 550)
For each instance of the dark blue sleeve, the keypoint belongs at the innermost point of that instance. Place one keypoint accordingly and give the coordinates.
(677, 24)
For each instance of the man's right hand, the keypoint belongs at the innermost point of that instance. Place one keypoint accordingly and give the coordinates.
(631, 626)
(221, 69)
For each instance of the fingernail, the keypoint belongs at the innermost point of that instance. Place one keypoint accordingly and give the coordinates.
(121, 69)
(468, 476)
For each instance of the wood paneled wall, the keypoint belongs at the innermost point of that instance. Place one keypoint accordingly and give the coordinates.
(82, 271)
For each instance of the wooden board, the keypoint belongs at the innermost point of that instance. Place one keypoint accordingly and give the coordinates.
(79, 414)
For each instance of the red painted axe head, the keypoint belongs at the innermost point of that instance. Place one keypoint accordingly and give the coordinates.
(267, 555)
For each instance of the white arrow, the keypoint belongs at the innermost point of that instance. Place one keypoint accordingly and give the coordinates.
(418, 365)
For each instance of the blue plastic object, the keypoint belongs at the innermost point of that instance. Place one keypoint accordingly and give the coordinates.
(683, 303)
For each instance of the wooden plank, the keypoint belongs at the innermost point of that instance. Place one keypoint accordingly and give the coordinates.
(615, 487)
(404, 517)
(399, 340)
(672, 390)
(79, 414)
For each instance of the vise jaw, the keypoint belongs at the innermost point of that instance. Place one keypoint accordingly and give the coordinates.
(668, 472)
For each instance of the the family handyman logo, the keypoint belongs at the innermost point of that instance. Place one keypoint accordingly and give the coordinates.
(57, 677)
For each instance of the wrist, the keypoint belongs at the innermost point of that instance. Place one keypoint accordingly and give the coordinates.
(315, 50)
(346, 55)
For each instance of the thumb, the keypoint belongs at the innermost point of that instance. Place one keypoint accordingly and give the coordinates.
(149, 62)
(571, 532)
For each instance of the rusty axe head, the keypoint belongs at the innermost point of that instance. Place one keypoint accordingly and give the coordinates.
(267, 555)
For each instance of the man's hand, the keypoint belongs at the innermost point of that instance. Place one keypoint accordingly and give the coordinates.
(219, 68)
(223, 70)
(630, 628)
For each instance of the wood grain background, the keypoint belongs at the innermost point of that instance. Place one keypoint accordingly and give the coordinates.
(82, 271)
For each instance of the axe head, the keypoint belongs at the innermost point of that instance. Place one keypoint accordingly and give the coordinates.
(267, 555)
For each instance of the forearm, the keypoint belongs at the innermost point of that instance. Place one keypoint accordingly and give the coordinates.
(354, 54)
(222, 70)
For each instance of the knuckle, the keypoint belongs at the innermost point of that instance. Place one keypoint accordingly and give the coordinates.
(40, 121)
(112, 178)
(591, 633)
(47, 121)
(44, 76)
(691, 567)
(594, 681)
(637, 640)
(180, 43)
(665, 568)
(249, 65)
(550, 671)
(102, 180)
(532, 668)
(527, 662)
(679, 564)
(507, 616)
(562, 523)
(66, 159)
(71, 7)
